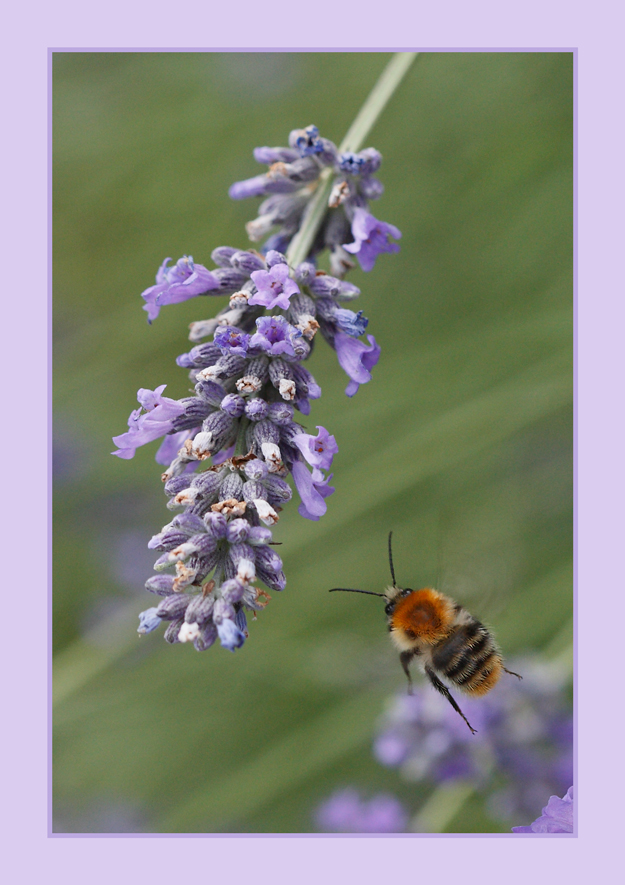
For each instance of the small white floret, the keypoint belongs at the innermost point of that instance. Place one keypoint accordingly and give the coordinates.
(189, 632)
(232, 317)
(182, 552)
(272, 456)
(202, 329)
(246, 571)
(266, 512)
(186, 496)
(184, 576)
(202, 445)
(259, 227)
(338, 195)
(287, 389)
(211, 373)
(308, 326)
(238, 300)
(249, 384)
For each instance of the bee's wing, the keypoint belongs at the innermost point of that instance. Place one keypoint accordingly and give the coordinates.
(478, 570)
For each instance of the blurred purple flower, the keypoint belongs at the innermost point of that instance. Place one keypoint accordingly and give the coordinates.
(522, 738)
(346, 812)
(178, 283)
(557, 816)
(371, 238)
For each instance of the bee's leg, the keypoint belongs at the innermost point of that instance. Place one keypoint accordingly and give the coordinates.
(512, 673)
(438, 685)
(405, 657)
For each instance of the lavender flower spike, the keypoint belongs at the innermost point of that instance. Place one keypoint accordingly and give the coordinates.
(356, 358)
(178, 283)
(371, 238)
(247, 384)
(557, 816)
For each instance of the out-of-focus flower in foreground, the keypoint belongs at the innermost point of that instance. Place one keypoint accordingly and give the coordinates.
(522, 752)
(347, 812)
(557, 816)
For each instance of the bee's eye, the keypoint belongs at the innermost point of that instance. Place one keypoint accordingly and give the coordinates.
(388, 608)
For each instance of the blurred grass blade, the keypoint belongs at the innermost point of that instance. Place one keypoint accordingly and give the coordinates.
(292, 759)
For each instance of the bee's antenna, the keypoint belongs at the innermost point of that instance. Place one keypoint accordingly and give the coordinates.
(390, 558)
(349, 590)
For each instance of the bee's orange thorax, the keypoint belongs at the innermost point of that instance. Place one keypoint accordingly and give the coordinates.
(424, 614)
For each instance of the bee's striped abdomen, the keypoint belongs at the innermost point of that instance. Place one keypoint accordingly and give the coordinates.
(469, 658)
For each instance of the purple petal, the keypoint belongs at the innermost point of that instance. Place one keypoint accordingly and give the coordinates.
(356, 359)
(172, 444)
(371, 237)
(313, 506)
(557, 816)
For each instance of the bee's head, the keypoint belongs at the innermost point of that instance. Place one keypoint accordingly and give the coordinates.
(393, 594)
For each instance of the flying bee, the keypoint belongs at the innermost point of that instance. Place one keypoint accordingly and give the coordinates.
(443, 636)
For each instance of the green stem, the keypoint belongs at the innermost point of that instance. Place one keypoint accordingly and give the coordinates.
(240, 448)
(380, 95)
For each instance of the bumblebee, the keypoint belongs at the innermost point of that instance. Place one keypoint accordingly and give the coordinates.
(444, 638)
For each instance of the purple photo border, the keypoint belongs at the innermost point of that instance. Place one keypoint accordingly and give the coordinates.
(595, 33)
(307, 835)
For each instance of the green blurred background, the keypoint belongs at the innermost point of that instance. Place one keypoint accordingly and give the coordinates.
(462, 443)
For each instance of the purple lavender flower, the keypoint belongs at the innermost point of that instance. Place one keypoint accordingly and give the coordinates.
(557, 816)
(247, 382)
(317, 450)
(274, 286)
(230, 636)
(371, 238)
(151, 425)
(312, 488)
(274, 336)
(353, 324)
(178, 283)
(148, 621)
(232, 340)
(356, 359)
(351, 163)
(346, 812)
(306, 141)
